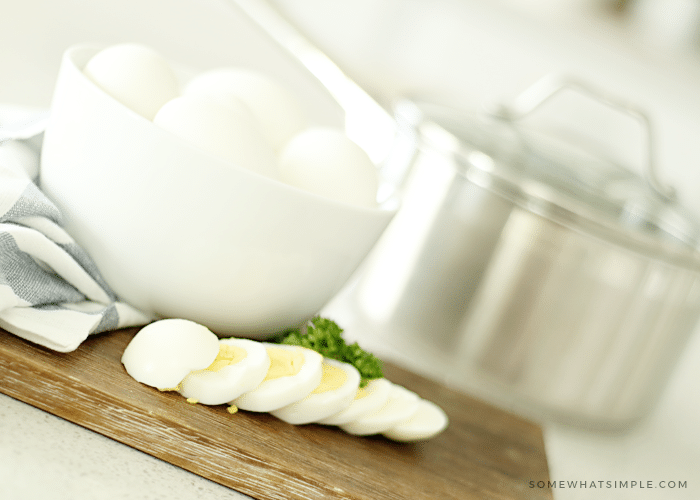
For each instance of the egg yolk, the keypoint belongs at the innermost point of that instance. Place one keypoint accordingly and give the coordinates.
(228, 355)
(361, 392)
(284, 363)
(332, 379)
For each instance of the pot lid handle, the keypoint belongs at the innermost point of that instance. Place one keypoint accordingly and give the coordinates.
(550, 85)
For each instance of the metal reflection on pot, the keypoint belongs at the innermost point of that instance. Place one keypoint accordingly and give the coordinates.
(555, 281)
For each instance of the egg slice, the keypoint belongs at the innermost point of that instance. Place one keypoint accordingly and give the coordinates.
(326, 162)
(294, 372)
(338, 387)
(239, 367)
(367, 400)
(227, 132)
(135, 75)
(276, 108)
(427, 422)
(162, 353)
(401, 405)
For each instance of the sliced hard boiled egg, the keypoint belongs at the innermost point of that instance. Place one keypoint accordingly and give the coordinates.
(239, 367)
(428, 421)
(339, 384)
(294, 372)
(401, 405)
(162, 353)
(367, 400)
(275, 107)
(135, 75)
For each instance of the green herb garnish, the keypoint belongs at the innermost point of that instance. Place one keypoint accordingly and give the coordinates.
(326, 337)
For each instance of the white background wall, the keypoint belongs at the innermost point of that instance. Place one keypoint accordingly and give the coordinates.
(470, 53)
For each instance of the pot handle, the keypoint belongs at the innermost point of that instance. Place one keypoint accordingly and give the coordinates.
(545, 88)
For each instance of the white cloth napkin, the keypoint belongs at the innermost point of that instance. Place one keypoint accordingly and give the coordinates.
(51, 292)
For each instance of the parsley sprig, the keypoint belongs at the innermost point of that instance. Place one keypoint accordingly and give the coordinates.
(324, 336)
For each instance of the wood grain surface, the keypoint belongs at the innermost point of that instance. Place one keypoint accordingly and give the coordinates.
(484, 454)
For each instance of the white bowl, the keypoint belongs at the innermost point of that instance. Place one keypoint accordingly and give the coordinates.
(178, 233)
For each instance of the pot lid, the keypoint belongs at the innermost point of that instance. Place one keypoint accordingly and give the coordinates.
(560, 179)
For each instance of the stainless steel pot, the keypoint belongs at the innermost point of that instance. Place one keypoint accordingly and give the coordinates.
(552, 280)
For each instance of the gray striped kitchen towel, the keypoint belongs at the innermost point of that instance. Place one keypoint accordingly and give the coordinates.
(51, 293)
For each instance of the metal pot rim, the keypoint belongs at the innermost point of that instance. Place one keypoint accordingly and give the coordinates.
(651, 223)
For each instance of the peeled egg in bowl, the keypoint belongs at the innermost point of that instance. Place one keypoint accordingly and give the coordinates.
(278, 111)
(324, 160)
(177, 232)
(229, 131)
(135, 75)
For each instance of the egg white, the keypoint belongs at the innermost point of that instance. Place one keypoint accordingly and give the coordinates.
(427, 422)
(276, 108)
(229, 132)
(135, 75)
(275, 393)
(319, 405)
(401, 405)
(367, 400)
(162, 353)
(324, 161)
(215, 387)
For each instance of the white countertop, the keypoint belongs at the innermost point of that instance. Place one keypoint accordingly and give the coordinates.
(461, 52)
(44, 456)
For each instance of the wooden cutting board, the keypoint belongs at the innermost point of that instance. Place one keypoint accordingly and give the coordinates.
(484, 454)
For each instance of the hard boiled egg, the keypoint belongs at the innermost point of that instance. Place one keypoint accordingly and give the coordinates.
(239, 367)
(367, 400)
(427, 422)
(294, 372)
(163, 353)
(401, 405)
(279, 113)
(338, 387)
(326, 162)
(226, 131)
(135, 75)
